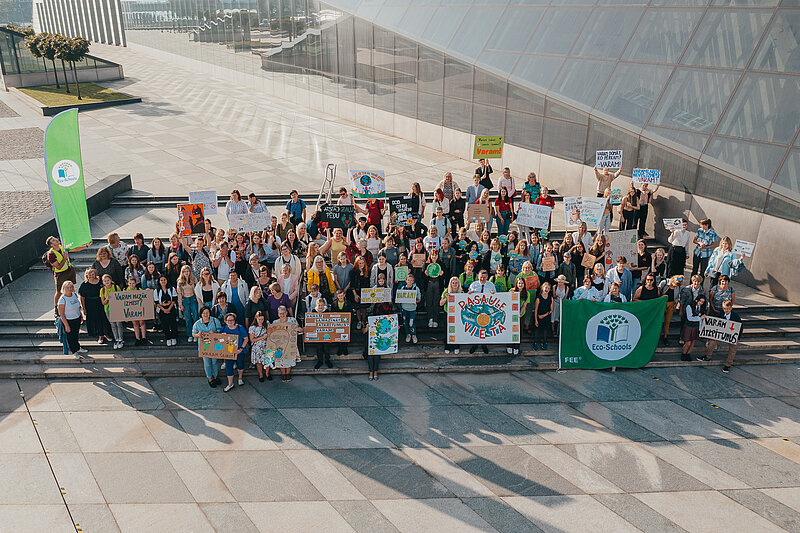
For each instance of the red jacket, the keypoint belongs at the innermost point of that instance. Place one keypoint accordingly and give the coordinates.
(549, 202)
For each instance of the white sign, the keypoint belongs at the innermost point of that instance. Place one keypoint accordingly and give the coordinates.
(533, 216)
(646, 175)
(744, 247)
(483, 318)
(249, 222)
(406, 297)
(368, 183)
(207, 198)
(673, 223)
(720, 329)
(608, 158)
(376, 295)
(572, 212)
(622, 243)
(592, 210)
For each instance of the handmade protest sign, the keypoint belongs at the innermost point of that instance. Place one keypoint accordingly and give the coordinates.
(207, 198)
(433, 270)
(400, 273)
(608, 158)
(592, 210)
(588, 260)
(337, 216)
(548, 264)
(400, 209)
(418, 260)
(483, 318)
(487, 147)
(572, 212)
(218, 345)
(282, 342)
(383, 333)
(616, 196)
(327, 327)
(744, 247)
(672, 223)
(191, 220)
(249, 222)
(376, 295)
(720, 329)
(405, 297)
(646, 175)
(478, 213)
(533, 216)
(368, 183)
(131, 305)
(531, 282)
(622, 243)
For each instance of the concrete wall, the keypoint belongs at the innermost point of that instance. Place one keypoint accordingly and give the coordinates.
(99, 21)
(34, 79)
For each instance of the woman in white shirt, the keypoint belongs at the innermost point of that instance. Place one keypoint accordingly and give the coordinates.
(235, 206)
(507, 181)
(678, 251)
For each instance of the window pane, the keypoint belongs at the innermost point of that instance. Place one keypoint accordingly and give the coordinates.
(501, 63)
(755, 3)
(677, 171)
(603, 136)
(384, 97)
(474, 31)
(783, 207)
(383, 55)
(726, 38)
(756, 162)
(346, 47)
(429, 108)
(788, 180)
(694, 99)
(405, 56)
(405, 102)
(722, 187)
(414, 21)
(520, 99)
(514, 29)
(564, 139)
(632, 91)
(444, 24)
(765, 108)
(364, 92)
(524, 130)
(364, 46)
(662, 34)
(558, 29)
(431, 71)
(582, 80)
(457, 115)
(780, 49)
(487, 120)
(607, 32)
(555, 109)
(488, 89)
(457, 79)
(690, 142)
(538, 71)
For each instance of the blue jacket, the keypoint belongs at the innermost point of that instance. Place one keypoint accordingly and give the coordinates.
(729, 260)
(474, 193)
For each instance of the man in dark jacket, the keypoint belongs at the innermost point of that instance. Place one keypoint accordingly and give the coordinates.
(728, 314)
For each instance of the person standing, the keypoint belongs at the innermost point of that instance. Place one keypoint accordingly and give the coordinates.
(70, 312)
(628, 209)
(255, 205)
(139, 248)
(96, 321)
(235, 206)
(542, 315)
(258, 342)
(532, 185)
(690, 331)
(723, 261)
(208, 324)
(409, 310)
(474, 191)
(645, 199)
(481, 285)
(448, 186)
(483, 172)
(106, 290)
(296, 208)
(166, 297)
(676, 258)
(705, 240)
(187, 299)
(58, 260)
(232, 328)
(604, 179)
(728, 314)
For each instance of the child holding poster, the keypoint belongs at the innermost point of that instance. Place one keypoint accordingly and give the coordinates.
(382, 308)
(409, 311)
(323, 355)
(453, 287)
(524, 309)
(105, 296)
(341, 305)
(139, 326)
(542, 315)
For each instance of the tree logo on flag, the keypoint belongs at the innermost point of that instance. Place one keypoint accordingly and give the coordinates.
(613, 334)
(66, 172)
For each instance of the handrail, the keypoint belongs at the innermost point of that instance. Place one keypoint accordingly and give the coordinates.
(330, 178)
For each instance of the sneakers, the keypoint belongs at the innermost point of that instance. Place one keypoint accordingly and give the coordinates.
(509, 350)
(212, 383)
(117, 345)
(77, 356)
(82, 351)
(535, 347)
(370, 378)
(435, 324)
(430, 323)
(447, 351)
(408, 338)
(544, 346)
(228, 387)
(413, 339)
(516, 351)
(241, 383)
(189, 339)
(456, 351)
(704, 358)
(726, 369)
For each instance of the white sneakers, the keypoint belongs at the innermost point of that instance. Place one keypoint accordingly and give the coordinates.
(171, 342)
(82, 350)
(508, 350)
(408, 338)
(430, 323)
(414, 339)
(456, 351)
(227, 388)
(516, 351)
(189, 339)
(447, 351)
(241, 382)
(435, 324)
(118, 345)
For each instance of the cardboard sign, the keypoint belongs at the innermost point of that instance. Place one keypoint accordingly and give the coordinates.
(483, 318)
(191, 220)
(744, 247)
(400, 273)
(616, 196)
(207, 198)
(478, 213)
(131, 305)
(588, 260)
(533, 216)
(646, 175)
(337, 216)
(249, 222)
(383, 334)
(720, 329)
(531, 283)
(327, 327)
(579, 209)
(673, 223)
(282, 342)
(367, 183)
(400, 209)
(622, 243)
(376, 295)
(548, 264)
(608, 159)
(418, 260)
(487, 147)
(406, 297)
(218, 345)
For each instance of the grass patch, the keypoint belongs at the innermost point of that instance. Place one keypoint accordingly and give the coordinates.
(91, 93)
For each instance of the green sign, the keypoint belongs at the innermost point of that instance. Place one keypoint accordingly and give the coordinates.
(488, 147)
(603, 335)
(62, 155)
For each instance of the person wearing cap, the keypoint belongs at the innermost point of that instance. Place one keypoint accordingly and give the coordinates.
(296, 208)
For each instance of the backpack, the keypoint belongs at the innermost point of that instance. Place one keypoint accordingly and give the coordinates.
(46, 260)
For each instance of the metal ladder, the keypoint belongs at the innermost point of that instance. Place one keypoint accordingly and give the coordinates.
(326, 191)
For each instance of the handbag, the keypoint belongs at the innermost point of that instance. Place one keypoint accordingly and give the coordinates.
(486, 181)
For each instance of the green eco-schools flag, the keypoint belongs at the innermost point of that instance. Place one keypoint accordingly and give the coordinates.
(62, 155)
(602, 335)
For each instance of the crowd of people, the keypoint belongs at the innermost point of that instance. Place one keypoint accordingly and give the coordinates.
(240, 283)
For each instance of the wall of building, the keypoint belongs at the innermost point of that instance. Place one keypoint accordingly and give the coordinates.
(33, 79)
(99, 21)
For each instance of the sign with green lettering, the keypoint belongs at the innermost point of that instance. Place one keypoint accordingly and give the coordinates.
(488, 147)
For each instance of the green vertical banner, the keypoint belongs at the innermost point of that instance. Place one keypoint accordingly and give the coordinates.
(62, 156)
(604, 335)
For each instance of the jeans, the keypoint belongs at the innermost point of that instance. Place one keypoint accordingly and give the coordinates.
(409, 321)
(605, 224)
(189, 313)
(116, 329)
(229, 363)
(699, 265)
(169, 321)
(373, 361)
(489, 224)
(503, 222)
(211, 367)
(641, 218)
(72, 336)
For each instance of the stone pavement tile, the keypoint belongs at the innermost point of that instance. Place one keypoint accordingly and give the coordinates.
(777, 510)
(402, 389)
(642, 377)
(696, 467)
(249, 397)
(669, 420)
(363, 517)
(346, 390)
(323, 475)
(36, 518)
(54, 432)
(786, 448)
(38, 394)
(95, 395)
(123, 431)
(17, 434)
(503, 424)
(191, 393)
(787, 376)
(544, 382)
(296, 516)
(140, 393)
(75, 478)
(773, 415)
(337, 427)
(725, 418)
(704, 383)
(228, 517)
(278, 480)
(631, 467)
(199, 477)
(638, 514)
(447, 425)
(791, 400)
(10, 398)
(605, 386)
(132, 477)
(32, 480)
(756, 381)
(166, 431)
(435, 516)
(457, 480)
(559, 423)
(214, 429)
(509, 471)
(586, 479)
(705, 511)
(557, 514)
(451, 390)
(390, 426)
(164, 517)
(93, 517)
(500, 388)
(747, 461)
(615, 422)
(304, 391)
(278, 429)
(500, 515)
(385, 473)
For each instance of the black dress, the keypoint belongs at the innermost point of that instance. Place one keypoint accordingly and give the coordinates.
(96, 320)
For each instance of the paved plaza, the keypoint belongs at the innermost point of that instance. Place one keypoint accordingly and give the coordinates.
(672, 449)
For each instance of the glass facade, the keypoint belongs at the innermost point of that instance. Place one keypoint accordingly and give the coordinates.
(705, 90)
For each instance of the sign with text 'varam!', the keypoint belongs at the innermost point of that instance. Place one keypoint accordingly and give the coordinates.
(488, 147)
(131, 305)
(720, 329)
(608, 158)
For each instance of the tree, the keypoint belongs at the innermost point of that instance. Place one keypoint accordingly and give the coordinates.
(72, 50)
(41, 45)
(58, 42)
